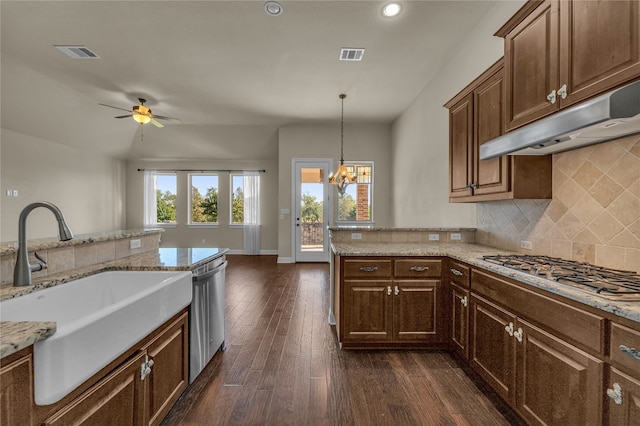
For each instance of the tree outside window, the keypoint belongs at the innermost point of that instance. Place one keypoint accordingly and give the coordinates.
(237, 199)
(356, 204)
(204, 199)
(166, 198)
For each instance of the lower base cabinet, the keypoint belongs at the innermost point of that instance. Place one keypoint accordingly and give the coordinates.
(137, 389)
(624, 399)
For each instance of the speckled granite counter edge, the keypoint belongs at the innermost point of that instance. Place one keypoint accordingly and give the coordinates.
(16, 335)
(472, 254)
(49, 243)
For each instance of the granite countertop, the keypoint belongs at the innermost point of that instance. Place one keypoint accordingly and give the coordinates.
(472, 254)
(18, 335)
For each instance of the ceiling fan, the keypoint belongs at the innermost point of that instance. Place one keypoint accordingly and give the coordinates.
(142, 114)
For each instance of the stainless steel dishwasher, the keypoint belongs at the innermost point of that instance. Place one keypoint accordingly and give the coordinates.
(206, 324)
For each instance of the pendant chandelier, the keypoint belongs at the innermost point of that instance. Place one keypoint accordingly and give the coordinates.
(341, 178)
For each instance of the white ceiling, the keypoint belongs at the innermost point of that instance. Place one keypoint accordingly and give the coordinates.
(230, 72)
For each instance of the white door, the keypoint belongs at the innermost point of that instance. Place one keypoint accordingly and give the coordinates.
(312, 209)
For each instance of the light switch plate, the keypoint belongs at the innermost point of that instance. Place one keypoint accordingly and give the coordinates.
(134, 244)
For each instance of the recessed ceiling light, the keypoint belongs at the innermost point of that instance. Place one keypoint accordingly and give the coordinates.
(390, 10)
(273, 8)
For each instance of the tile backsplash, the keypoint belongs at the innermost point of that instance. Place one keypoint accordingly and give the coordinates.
(594, 215)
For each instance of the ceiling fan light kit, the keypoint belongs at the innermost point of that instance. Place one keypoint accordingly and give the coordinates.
(142, 114)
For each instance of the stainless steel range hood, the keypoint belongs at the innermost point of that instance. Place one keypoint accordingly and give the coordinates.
(606, 117)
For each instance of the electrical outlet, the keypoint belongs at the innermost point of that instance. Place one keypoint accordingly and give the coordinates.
(134, 244)
(15, 192)
(434, 237)
(526, 245)
(356, 236)
(455, 236)
(9, 193)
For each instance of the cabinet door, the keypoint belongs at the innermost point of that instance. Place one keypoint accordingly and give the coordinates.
(170, 371)
(16, 391)
(492, 346)
(367, 310)
(460, 320)
(624, 399)
(531, 66)
(557, 383)
(460, 147)
(117, 400)
(599, 47)
(489, 176)
(416, 310)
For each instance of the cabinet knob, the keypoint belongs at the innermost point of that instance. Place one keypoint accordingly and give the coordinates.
(464, 301)
(456, 272)
(615, 393)
(551, 97)
(419, 268)
(145, 367)
(368, 268)
(396, 290)
(518, 334)
(509, 329)
(562, 92)
(632, 352)
(388, 290)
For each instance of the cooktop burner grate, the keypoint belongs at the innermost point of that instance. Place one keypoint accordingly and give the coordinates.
(607, 282)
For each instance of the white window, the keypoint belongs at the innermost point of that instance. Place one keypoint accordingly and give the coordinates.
(203, 202)
(355, 206)
(160, 199)
(237, 199)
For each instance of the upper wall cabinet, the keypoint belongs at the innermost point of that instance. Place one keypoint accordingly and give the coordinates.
(475, 117)
(559, 52)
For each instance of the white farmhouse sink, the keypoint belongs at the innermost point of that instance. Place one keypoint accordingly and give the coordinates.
(98, 318)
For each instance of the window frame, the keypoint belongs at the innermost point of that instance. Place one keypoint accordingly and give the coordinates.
(165, 224)
(190, 223)
(370, 222)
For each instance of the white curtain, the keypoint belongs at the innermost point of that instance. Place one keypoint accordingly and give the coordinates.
(150, 208)
(252, 212)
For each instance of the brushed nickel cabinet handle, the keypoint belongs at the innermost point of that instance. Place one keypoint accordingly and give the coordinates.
(456, 272)
(551, 97)
(632, 352)
(396, 291)
(509, 329)
(464, 301)
(615, 393)
(368, 268)
(419, 268)
(562, 92)
(388, 290)
(518, 334)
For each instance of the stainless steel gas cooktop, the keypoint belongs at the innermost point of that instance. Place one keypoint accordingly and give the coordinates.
(605, 282)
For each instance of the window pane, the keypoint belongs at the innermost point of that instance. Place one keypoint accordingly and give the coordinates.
(166, 198)
(355, 204)
(204, 198)
(237, 199)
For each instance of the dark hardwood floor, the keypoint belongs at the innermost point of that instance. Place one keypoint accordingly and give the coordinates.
(283, 365)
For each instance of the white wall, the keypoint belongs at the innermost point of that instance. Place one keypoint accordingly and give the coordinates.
(89, 188)
(224, 235)
(420, 146)
(362, 142)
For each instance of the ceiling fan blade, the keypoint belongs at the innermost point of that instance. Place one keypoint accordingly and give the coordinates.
(123, 116)
(163, 117)
(156, 123)
(111, 106)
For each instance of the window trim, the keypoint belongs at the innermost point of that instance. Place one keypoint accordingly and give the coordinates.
(191, 224)
(369, 222)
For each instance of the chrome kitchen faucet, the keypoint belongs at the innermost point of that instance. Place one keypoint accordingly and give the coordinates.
(22, 272)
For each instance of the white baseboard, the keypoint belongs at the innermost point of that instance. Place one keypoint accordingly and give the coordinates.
(262, 252)
(285, 259)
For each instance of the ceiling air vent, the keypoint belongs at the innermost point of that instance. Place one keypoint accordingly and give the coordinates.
(349, 54)
(78, 52)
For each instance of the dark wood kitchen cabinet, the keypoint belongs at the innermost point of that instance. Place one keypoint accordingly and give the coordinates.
(560, 52)
(390, 302)
(458, 277)
(518, 346)
(475, 117)
(623, 389)
(16, 388)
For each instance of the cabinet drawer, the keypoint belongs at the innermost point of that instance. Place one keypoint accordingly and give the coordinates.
(459, 274)
(418, 268)
(625, 348)
(364, 268)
